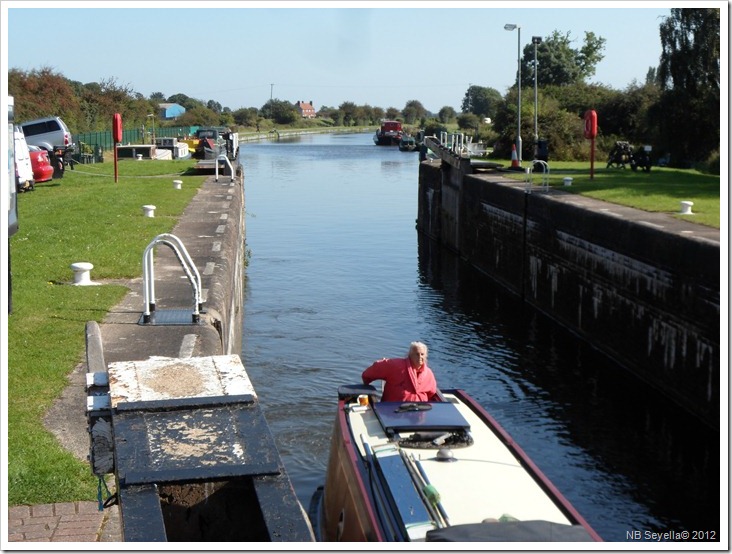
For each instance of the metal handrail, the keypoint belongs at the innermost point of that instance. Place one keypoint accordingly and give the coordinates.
(544, 175)
(226, 159)
(148, 274)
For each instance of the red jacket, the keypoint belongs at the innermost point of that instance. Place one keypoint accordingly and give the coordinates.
(402, 382)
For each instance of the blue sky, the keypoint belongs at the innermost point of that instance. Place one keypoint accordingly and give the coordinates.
(378, 53)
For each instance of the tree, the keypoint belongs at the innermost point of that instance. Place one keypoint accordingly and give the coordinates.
(157, 97)
(690, 50)
(392, 113)
(625, 114)
(446, 114)
(688, 112)
(560, 64)
(279, 111)
(198, 115)
(41, 92)
(246, 117)
(413, 111)
(350, 113)
(377, 114)
(186, 101)
(433, 127)
(482, 101)
(468, 121)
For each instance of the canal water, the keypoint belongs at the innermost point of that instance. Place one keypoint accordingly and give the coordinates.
(338, 277)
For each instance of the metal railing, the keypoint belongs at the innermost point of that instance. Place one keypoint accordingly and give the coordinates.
(148, 275)
(544, 175)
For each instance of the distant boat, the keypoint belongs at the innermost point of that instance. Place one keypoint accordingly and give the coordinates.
(408, 144)
(389, 134)
(434, 471)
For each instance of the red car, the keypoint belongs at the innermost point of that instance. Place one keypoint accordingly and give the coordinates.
(42, 168)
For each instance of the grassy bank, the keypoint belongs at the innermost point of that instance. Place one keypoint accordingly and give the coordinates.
(87, 217)
(660, 190)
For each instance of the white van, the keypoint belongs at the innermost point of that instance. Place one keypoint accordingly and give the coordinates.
(23, 168)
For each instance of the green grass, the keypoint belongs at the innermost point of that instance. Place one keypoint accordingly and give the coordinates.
(84, 216)
(660, 190)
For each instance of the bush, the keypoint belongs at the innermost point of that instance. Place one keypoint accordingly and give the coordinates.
(711, 164)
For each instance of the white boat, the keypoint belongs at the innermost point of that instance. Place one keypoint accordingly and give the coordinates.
(434, 471)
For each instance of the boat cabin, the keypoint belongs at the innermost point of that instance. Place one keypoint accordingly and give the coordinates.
(391, 126)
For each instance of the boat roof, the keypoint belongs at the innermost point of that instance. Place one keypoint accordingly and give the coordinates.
(479, 485)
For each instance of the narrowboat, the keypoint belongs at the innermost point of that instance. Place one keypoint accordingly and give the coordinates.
(408, 144)
(434, 472)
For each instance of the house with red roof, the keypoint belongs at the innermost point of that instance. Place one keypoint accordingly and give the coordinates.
(306, 109)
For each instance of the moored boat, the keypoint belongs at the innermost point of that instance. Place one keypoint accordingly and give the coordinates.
(434, 471)
(407, 144)
(389, 134)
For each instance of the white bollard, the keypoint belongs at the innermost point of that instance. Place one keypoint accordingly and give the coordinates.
(177, 185)
(686, 207)
(81, 273)
(149, 210)
(139, 157)
(568, 181)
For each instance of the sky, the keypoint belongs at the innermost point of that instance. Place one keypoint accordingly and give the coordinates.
(384, 54)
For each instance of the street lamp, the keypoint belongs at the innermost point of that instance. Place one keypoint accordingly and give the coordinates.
(511, 27)
(536, 41)
(153, 127)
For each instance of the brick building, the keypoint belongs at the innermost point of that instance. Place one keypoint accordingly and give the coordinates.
(306, 109)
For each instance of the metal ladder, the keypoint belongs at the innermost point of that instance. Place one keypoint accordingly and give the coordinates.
(544, 175)
(148, 275)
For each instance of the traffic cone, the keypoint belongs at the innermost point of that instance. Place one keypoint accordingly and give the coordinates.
(514, 157)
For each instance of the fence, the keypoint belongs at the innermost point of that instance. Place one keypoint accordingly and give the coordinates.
(90, 147)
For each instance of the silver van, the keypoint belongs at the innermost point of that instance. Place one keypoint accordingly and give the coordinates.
(52, 134)
(48, 133)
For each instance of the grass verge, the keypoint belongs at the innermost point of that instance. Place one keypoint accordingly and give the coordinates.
(660, 190)
(83, 217)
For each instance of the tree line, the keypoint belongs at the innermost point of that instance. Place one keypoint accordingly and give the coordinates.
(676, 109)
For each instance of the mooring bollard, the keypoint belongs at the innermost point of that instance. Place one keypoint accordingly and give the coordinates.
(686, 207)
(139, 157)
(149, 210)
(177, 185)
(568, 181)
(81, 273)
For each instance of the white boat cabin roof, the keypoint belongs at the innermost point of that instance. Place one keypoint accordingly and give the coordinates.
(483, 481)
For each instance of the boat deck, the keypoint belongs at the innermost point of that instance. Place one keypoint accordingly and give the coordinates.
(485, 481)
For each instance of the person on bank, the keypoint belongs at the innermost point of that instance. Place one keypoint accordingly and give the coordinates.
(405, 379)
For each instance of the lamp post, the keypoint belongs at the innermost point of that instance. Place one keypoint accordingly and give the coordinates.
(511, 27)
(153, 127)
(536, 41)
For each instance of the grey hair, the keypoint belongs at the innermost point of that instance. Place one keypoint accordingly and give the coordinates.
(418, 344)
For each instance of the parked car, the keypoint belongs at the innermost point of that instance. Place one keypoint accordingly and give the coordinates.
(51, 134)
(42, 168)
(24, 180)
